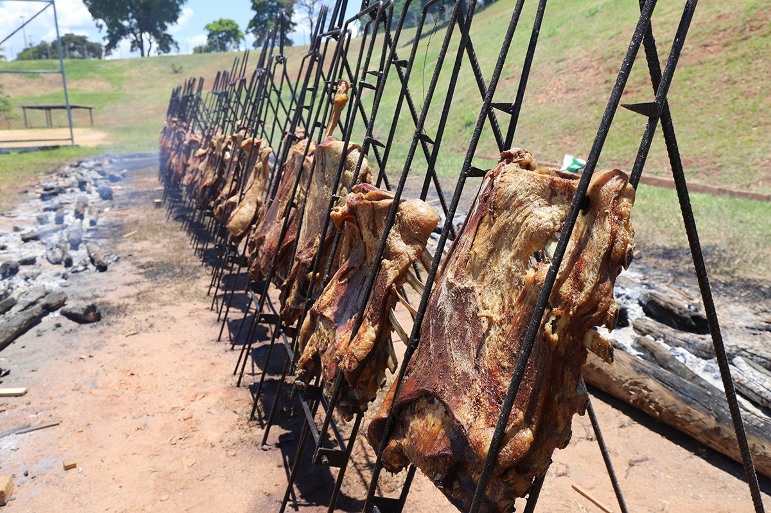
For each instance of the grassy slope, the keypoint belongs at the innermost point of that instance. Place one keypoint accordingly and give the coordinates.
(720, 100)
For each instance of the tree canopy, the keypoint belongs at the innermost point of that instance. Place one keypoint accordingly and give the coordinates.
(73, 47)
(143, 22)
(223, 35)
(264, 20)
(6, 112)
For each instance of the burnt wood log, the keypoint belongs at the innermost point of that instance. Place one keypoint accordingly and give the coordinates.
(675, 313)
(701, 345)
(9, 268)
(757, 351)
(54, 255)
(96, 255)
(66, 255)
(105, 192)
(697, 345)
(50, 192)
(6, 304)
(30, 236)
(752, 381)
(699, 412)
(30, 297)
(14, 324)
(82, 314)
(664, 358)
(75, 236)
(40, 233)
(80, 207)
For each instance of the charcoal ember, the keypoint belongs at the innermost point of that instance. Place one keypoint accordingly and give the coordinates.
(48, 194)
(30, 236)
(80, 207)
(82, 313)
(54, 255)
(105, 192)
(9, 268)
(6, 304)
(96, 256)
(75, 236)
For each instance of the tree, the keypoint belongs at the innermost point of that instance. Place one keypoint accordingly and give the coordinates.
(264, 20)
(311, 9)
(223, 34)
(412, 15)
(143, 22)
(77, 47)
(34, 53)
(202, 49)
(6, 110)
(73, 47)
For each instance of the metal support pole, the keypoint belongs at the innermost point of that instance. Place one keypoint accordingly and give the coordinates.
(64, 74)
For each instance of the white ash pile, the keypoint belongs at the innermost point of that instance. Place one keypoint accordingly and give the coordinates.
(49, 237)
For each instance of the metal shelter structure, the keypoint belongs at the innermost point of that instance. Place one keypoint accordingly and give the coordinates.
(46, 4)
(277, 108)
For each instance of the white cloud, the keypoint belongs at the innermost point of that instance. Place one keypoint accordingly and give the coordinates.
(182, 21)
(122, 51)
(249, 40)
(73, 16)
(192, 42)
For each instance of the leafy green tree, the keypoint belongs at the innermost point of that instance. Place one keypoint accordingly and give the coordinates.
(6, 110)
(264, 20)
(77, 47)
(36, 52)
(311, 10)
(202, 49)
(73, 47)
(143, 22)
(413, 12)
(223, 34)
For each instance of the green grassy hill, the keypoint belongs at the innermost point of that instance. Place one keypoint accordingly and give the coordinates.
(720, 99)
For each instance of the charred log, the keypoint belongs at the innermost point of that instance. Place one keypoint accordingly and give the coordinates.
(699, 412)
(17, 321)
(681, 315)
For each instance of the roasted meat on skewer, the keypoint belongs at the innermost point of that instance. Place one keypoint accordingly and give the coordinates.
(477, 316)
(325, 338)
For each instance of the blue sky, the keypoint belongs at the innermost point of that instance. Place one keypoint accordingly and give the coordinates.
(74, 17)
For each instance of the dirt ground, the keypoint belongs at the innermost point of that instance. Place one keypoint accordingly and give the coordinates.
(146, 406)
(25, 138)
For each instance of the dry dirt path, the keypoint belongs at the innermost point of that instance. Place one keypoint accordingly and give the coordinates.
(147, 407)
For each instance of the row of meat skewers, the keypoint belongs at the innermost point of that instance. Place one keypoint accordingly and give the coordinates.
(482, 300)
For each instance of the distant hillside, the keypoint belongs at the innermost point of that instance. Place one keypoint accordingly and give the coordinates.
(720, 98)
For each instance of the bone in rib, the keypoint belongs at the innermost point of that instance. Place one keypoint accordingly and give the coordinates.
(266, 238)
(328, 156)
(477, 316)
(247, 211)
(243, 162)
(325, 338)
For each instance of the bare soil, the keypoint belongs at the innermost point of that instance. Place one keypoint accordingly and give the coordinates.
(147, 408)
(31, 136)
